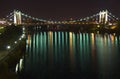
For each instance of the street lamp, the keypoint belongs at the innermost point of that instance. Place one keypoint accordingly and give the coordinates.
(8, 47)
(19, 38)
(15, 42)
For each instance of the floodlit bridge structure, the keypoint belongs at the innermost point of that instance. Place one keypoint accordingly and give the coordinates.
(103, 17)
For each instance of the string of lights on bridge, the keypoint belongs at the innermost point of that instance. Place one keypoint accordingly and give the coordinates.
(94, 18)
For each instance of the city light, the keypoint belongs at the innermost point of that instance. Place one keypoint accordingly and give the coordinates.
(63, 37)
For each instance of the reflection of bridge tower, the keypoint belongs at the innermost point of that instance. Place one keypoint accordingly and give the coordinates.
(17, 17)
(103, 17)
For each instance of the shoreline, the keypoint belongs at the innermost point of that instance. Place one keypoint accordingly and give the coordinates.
(9, 62)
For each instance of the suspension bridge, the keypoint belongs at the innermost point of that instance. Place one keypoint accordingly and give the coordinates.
(103, 17)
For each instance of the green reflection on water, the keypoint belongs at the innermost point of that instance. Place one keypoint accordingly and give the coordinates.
(70, 52)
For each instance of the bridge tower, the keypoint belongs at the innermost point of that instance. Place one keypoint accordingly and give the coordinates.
(17, 17)
(103, 17)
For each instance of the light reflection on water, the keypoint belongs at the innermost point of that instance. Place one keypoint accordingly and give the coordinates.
(68, 55)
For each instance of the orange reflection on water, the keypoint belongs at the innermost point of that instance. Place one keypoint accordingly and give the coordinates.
(50, 34)
(93, 48)
(71, 39)
(71, 50)
(93, 45)
(50, 41)
(112, 37)
(50, 49)
(28, 40)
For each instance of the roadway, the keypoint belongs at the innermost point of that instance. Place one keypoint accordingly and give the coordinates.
(8, 44)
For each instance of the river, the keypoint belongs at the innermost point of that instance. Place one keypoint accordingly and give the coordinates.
(69, 55)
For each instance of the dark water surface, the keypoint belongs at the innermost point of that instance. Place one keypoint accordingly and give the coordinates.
(69, 55)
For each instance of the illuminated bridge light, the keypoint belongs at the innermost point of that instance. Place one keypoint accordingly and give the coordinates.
(96, 17)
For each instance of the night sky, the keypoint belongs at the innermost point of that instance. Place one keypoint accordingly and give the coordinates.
(59, 9)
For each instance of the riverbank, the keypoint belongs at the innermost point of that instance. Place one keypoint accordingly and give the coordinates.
(12, 46)
(8, 63)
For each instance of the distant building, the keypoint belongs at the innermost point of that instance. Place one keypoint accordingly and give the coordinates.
(3, 22)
